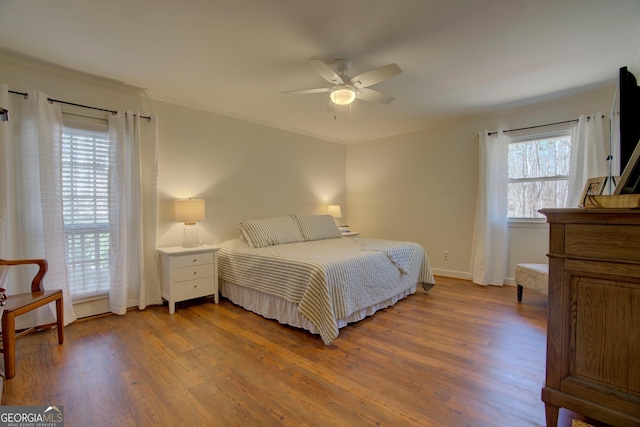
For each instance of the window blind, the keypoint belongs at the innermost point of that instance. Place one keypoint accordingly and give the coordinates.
(85, 188)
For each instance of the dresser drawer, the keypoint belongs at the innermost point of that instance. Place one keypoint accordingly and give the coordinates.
(194, 288)
(193, 259)
(603, 241)
(192, 272)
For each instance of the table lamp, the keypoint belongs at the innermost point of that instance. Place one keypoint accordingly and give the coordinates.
(189, 211)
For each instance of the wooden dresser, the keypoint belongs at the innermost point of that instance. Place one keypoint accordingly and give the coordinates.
(593, 336)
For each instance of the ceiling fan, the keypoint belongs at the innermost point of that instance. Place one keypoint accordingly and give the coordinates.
(345, 89)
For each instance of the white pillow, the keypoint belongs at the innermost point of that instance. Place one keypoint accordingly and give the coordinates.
(271, 231)
(318, 227)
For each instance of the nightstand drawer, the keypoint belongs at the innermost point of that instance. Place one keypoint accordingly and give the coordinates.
(194, 288)
(193, 259)
(193, 272)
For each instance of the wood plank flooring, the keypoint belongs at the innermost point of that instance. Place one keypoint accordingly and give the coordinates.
(460, 355)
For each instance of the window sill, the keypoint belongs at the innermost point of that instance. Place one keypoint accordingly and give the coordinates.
(528, 223)
(89, 298)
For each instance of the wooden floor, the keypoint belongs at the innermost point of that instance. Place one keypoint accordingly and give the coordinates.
(460, 355)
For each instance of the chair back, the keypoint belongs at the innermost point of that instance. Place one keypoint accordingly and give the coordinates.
(36, 283)
(4, 281)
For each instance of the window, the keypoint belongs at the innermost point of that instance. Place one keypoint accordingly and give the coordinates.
(538, 173)
(85, 189)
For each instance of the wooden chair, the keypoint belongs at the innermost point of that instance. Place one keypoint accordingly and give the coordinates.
(18, 304)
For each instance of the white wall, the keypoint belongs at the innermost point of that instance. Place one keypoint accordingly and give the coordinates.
(242, 170)
(422, 186)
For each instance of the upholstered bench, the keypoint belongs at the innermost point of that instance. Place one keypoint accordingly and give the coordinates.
(532, 276)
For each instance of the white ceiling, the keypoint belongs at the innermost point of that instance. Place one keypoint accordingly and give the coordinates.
(235, 57)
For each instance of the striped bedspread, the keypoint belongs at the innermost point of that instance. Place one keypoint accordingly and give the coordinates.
(328, 279)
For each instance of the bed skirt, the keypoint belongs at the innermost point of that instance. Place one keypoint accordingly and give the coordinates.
(286, 312)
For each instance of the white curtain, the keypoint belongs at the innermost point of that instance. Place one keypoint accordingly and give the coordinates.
(489, 249)
(133, 214)
(31, 222)
(589, 149)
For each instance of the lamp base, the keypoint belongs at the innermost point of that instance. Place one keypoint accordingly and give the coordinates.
(190, 236)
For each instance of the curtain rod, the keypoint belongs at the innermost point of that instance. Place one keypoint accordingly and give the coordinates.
(26, 95)
(533, 127)
(538, 126)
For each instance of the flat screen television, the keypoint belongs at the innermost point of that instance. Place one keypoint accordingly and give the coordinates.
(629, 111)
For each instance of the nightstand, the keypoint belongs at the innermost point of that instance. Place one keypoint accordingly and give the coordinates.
(188, 273)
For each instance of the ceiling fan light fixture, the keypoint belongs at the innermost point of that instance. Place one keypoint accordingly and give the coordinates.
(343, 95)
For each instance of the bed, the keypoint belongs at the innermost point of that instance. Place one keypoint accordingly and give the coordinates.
(300, 271)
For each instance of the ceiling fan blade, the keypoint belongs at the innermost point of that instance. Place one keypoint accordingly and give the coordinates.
(306, 91)
(375, 76)
(326, 72)
(371, 95)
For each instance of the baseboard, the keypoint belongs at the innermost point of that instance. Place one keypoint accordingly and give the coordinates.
(451, 273)
(511, 281)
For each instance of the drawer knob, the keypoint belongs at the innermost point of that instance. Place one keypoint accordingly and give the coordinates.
(195, 272)
(194, 260)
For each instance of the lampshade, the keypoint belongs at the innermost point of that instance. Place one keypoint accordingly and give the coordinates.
(343, 95)
(189, 211)
(334, 211)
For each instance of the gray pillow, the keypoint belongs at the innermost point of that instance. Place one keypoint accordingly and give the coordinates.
(318, 227)
(271, 231)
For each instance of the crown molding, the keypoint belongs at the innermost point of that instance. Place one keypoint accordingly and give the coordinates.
(200, 107)
(526, 105)
(530, 104)
(557, 99)
(34, 64)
